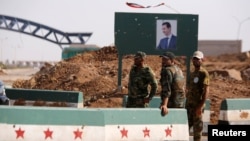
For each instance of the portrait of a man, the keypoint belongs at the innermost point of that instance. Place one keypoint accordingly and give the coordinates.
(169, 39)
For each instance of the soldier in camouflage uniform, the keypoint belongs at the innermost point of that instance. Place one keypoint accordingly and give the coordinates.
(198, 88)
(172, 83)
(141, 79)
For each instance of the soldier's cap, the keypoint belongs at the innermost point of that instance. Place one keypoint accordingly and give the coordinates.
(198, 54)
(140, 54)
(168, 55)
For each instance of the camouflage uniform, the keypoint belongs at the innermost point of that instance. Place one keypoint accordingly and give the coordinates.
(138, 88)
(173, 86)
(194, 95)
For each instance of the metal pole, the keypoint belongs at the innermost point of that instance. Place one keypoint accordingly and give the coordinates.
(1, 46)
(239, 26)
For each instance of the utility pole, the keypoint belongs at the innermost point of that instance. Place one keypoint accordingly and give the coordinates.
(239, 25)
(1, 48)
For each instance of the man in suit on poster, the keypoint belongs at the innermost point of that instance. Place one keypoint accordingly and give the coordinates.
(169, 41)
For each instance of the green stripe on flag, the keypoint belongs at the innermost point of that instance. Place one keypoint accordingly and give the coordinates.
(235, 104)
(95, 117)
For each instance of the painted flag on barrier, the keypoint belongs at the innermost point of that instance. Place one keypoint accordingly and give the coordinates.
(105, 124)
(87, 133)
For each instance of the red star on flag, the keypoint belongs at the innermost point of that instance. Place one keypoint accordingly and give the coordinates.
(78, 134)
(124, 133)
(19, 133)
(168, 132)
(146, 132)
(48, 133)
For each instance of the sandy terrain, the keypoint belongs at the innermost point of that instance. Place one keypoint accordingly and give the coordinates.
(8, 76)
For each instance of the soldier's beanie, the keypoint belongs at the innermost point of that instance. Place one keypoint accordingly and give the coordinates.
(140, 54)
(168, 55)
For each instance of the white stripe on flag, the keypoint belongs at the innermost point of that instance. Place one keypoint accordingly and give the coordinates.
(235, 115)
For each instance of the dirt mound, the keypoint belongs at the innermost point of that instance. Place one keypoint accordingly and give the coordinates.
(95, 74)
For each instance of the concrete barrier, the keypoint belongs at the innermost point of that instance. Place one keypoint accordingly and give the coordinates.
(155, 103)
(46, 97)
(104, 124)
(235, 111)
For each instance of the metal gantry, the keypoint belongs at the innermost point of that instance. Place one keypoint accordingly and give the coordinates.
(43, 31)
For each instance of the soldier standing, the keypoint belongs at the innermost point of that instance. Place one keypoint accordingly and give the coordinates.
(172, 83)
(141, 79)
(198, 88)
(4, 100)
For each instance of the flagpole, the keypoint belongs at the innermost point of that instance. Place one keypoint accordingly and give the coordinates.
(172, 8)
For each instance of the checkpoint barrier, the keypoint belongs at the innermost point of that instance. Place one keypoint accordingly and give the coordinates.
(68, 98)
(91, 124)
(155, 103)
(235, 111)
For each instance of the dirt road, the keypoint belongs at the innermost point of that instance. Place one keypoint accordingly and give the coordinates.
(8, 76)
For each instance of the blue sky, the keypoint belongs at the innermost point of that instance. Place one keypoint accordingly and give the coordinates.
(218, 20)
